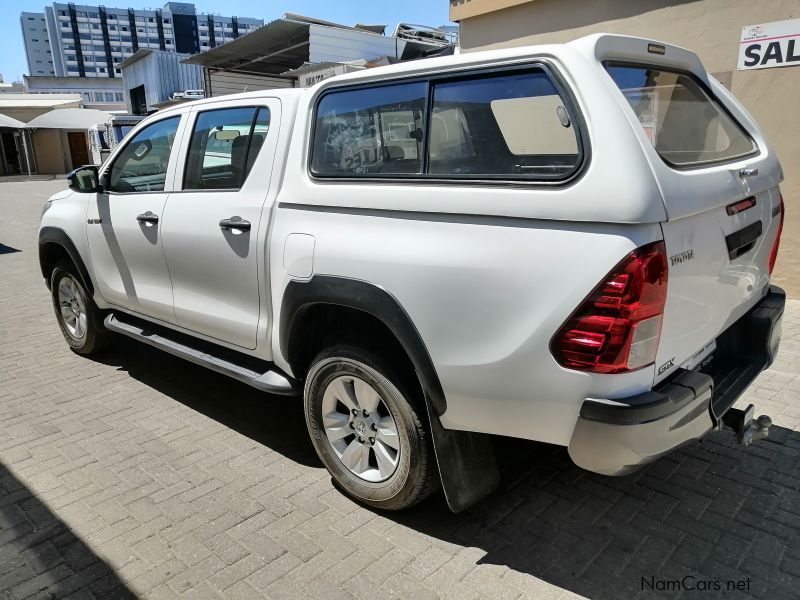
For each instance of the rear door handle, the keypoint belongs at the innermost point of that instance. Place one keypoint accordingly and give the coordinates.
(235, 223)
(148, 217)
(742, 241)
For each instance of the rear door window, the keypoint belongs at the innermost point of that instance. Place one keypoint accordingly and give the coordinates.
(224, 146)
(687, 126)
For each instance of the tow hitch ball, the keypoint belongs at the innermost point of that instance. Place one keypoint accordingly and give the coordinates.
(747, 430)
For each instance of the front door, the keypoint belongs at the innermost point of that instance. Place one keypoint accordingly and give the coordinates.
(214, 231)
(124, 224)
(78, 150)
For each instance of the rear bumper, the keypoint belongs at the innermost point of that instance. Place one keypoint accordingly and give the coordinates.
(615, 437)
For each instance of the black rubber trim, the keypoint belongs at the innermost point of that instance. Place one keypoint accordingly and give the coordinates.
(372, 299)
(664, 400)
(54, 235)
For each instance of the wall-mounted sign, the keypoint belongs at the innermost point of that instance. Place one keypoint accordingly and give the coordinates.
(775, 44)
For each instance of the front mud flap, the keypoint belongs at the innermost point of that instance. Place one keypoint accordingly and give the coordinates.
(467, 465)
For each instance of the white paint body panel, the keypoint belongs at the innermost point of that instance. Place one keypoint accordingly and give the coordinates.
(214, 272)
(487, 274)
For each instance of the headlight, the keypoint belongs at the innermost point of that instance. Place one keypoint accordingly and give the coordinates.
(45, 208)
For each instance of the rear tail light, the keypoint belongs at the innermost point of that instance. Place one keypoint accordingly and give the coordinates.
(774, 255)
(618, 326)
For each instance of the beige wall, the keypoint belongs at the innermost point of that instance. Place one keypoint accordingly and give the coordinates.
(50, 151)
(712, 29)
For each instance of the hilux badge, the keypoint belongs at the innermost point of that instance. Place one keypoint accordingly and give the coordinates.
(681, 257)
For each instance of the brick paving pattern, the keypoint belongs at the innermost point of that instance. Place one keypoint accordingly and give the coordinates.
(140, 475)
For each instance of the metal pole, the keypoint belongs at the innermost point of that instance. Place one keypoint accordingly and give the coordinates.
(27, 154)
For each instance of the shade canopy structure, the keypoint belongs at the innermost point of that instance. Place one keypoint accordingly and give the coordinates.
(69, 118)
(10, 122)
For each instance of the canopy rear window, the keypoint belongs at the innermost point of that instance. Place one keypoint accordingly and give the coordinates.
(687, 126)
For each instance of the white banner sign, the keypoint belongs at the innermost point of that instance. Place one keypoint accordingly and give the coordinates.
(775, 44)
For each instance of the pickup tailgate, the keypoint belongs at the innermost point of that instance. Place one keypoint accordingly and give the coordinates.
(719, 182)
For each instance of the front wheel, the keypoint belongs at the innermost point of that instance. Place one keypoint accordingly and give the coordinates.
(367, 431)
(78, 317)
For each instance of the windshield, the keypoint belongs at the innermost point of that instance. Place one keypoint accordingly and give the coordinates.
(685, 124)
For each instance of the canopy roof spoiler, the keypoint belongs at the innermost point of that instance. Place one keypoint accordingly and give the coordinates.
(602, 47)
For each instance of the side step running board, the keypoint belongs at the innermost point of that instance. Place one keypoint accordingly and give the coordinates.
(260, 374)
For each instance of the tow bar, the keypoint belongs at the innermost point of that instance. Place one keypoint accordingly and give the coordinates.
(747, 430)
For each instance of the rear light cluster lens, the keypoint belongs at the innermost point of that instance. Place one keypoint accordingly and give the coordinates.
(774, 255)
(617, 328)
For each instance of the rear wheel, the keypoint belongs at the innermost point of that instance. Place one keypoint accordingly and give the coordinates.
(78, 317)
(367, 431)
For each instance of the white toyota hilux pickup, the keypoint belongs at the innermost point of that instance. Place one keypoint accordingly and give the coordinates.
(564, 243)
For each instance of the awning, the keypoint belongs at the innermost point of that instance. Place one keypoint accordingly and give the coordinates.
(70, 118)
(10, 122)
(269, 50)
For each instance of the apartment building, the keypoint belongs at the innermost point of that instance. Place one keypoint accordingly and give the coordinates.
(37, 43)
(75, 40)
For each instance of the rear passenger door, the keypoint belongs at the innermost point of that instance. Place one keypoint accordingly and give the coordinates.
(214, 226)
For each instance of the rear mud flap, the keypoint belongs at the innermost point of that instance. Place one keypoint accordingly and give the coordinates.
(466, 463)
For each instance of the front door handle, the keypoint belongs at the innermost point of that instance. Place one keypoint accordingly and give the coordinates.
(235, 223)
(148, 217)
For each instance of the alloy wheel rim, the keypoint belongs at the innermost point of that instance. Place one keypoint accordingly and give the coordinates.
(360, 428)
(72, 304)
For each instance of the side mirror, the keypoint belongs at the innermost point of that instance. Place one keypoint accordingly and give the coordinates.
(84, 179)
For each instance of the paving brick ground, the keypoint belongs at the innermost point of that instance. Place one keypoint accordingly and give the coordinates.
(139, 475)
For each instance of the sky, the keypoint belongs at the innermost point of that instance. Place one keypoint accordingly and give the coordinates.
(347, 12)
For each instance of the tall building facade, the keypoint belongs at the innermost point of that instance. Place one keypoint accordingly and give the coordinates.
(37, 43)
(69, 40)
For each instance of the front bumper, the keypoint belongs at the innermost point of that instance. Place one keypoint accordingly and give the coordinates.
(615, 437)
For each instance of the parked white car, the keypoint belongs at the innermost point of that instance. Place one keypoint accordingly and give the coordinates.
(568, 243)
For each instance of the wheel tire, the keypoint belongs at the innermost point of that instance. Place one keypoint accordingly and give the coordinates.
(414, 476)
(84, 332)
